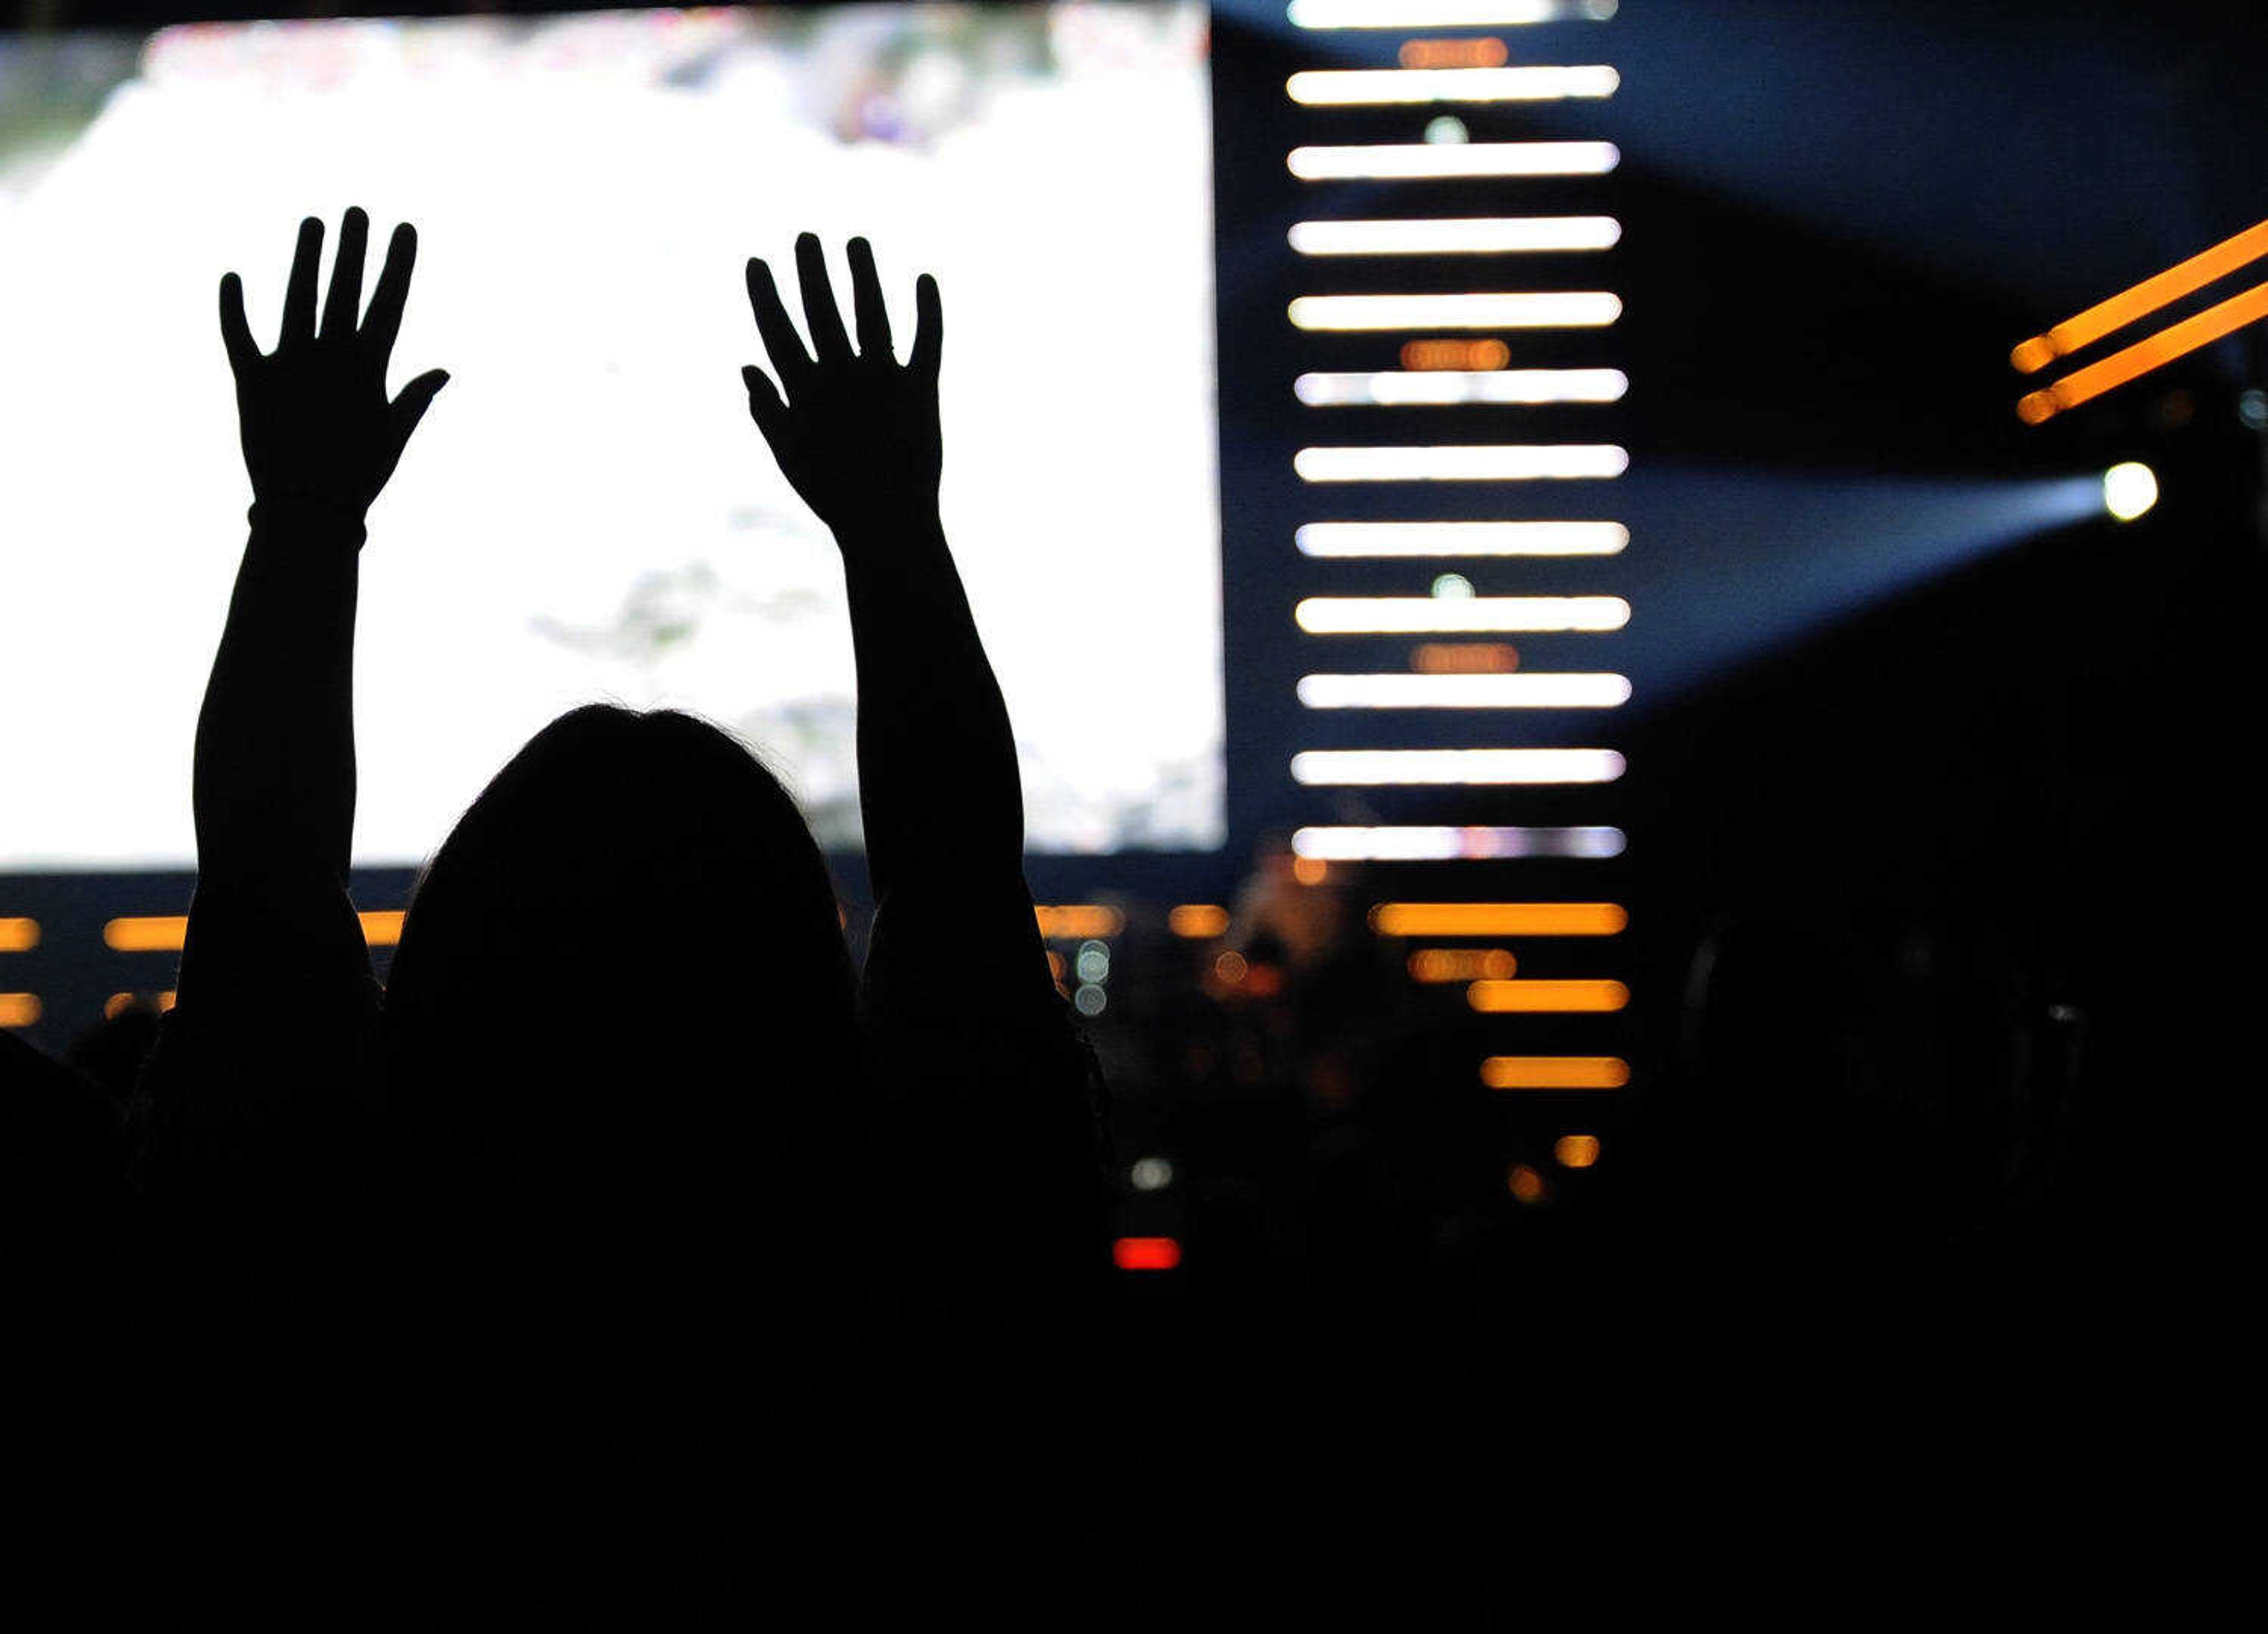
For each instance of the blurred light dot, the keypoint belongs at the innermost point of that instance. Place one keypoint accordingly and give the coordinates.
(1448, 128)
(1310, 870)
(1089, 1000)
(1576, 1152)
(1453, 587)
(1094, 963)
(2128, 489)
(1525, 1183)
(2252, 408)
(1230, 967)
(1151, 1173)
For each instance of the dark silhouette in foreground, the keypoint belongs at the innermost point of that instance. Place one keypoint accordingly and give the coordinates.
(628, 1195)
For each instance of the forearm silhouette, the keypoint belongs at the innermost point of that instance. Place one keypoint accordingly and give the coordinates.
(855, 433)
(274, 778)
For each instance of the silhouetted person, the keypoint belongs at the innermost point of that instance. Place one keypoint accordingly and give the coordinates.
(626, 1183)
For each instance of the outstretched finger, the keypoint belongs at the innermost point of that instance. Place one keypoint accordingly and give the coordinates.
(235, 333)
(782, 344)
(765, 405)
(867, 301)
(821, 315)
(929, 326)
(344, 305)
(383, 322)
(299, 293)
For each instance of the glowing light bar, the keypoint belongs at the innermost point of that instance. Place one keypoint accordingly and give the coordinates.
(1576, 1152)
(1555, 1072)
(1454, 354)
(1198, 921)
(19, 1009)
(18, 935)
(1420, 843)
(1145, 1253)
(1443, 14)
(1473, 235)
(1527, 998)
(1078, 921)
(1437, 965)
(1349, 87)
(1499, 918)
(1557, 309)
(1442, 161)
(1394, 388)
(2176, 341)
(1466, 658)
(1461, 539)
(381, 930)
(1567, 690)
(1463, 462)
(2141, 301)
(149, 935)
(1389, 766)
(1397, 616)
(1487, 52)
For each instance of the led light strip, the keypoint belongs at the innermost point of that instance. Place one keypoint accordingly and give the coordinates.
(1572, 690)
(1395, 389)
(1369, 87)
(1455, 235)
(1354, 539)
(1409, 616)
(2141, 301)
(1389, 768)
(1423, 843)
(2176, 341)
(1553, 309)
(1463, 462)
(1432, 161)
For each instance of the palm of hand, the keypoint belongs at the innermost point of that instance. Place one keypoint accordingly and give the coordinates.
(855, 433)
(316, 425)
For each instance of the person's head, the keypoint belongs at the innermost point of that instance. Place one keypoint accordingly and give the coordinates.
(629, 943)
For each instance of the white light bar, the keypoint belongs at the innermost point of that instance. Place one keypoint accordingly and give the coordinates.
(1443, 14)
(1395, 387)
(1421, 844)
(1461, 462)
(1569, 690)
(1435, 615)
(1455, 766)
(1455, 235)
(1420, 161)
(1351, 87)
(1461, 539)
(1553, 309)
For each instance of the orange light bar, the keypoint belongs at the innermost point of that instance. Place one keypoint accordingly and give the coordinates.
(1198, 921)
(18, 935)
(381, 930)
(2141, 301)
(1078, 921)
(1462, 964)
(1555, 1072)
(1487, 52)
(158, 935)
(1145, 1253)
(1498, 918)
(1427, 354)
(1576, 1152)
(117, 1003)
(1540, 997)
(2176, 341)
(1465, 658)
(19, 1009)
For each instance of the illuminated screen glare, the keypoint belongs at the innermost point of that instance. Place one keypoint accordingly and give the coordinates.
(587, 513)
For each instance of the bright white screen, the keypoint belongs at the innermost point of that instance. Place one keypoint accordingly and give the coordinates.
(587, 513)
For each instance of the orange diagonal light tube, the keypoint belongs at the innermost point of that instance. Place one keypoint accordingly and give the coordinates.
(2144, 299)
(2176, 341)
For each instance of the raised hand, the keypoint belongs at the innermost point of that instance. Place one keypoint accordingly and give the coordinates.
(855, 433)
(316, 427)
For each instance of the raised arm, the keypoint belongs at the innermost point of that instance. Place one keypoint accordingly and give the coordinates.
(275, 780)
(856, 432)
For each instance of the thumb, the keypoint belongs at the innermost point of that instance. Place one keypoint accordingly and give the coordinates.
(409, 408)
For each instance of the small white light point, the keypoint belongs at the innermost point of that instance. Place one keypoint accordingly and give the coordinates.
(2128, 489)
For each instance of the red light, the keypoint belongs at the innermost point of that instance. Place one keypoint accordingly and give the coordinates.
(1145, 1253)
